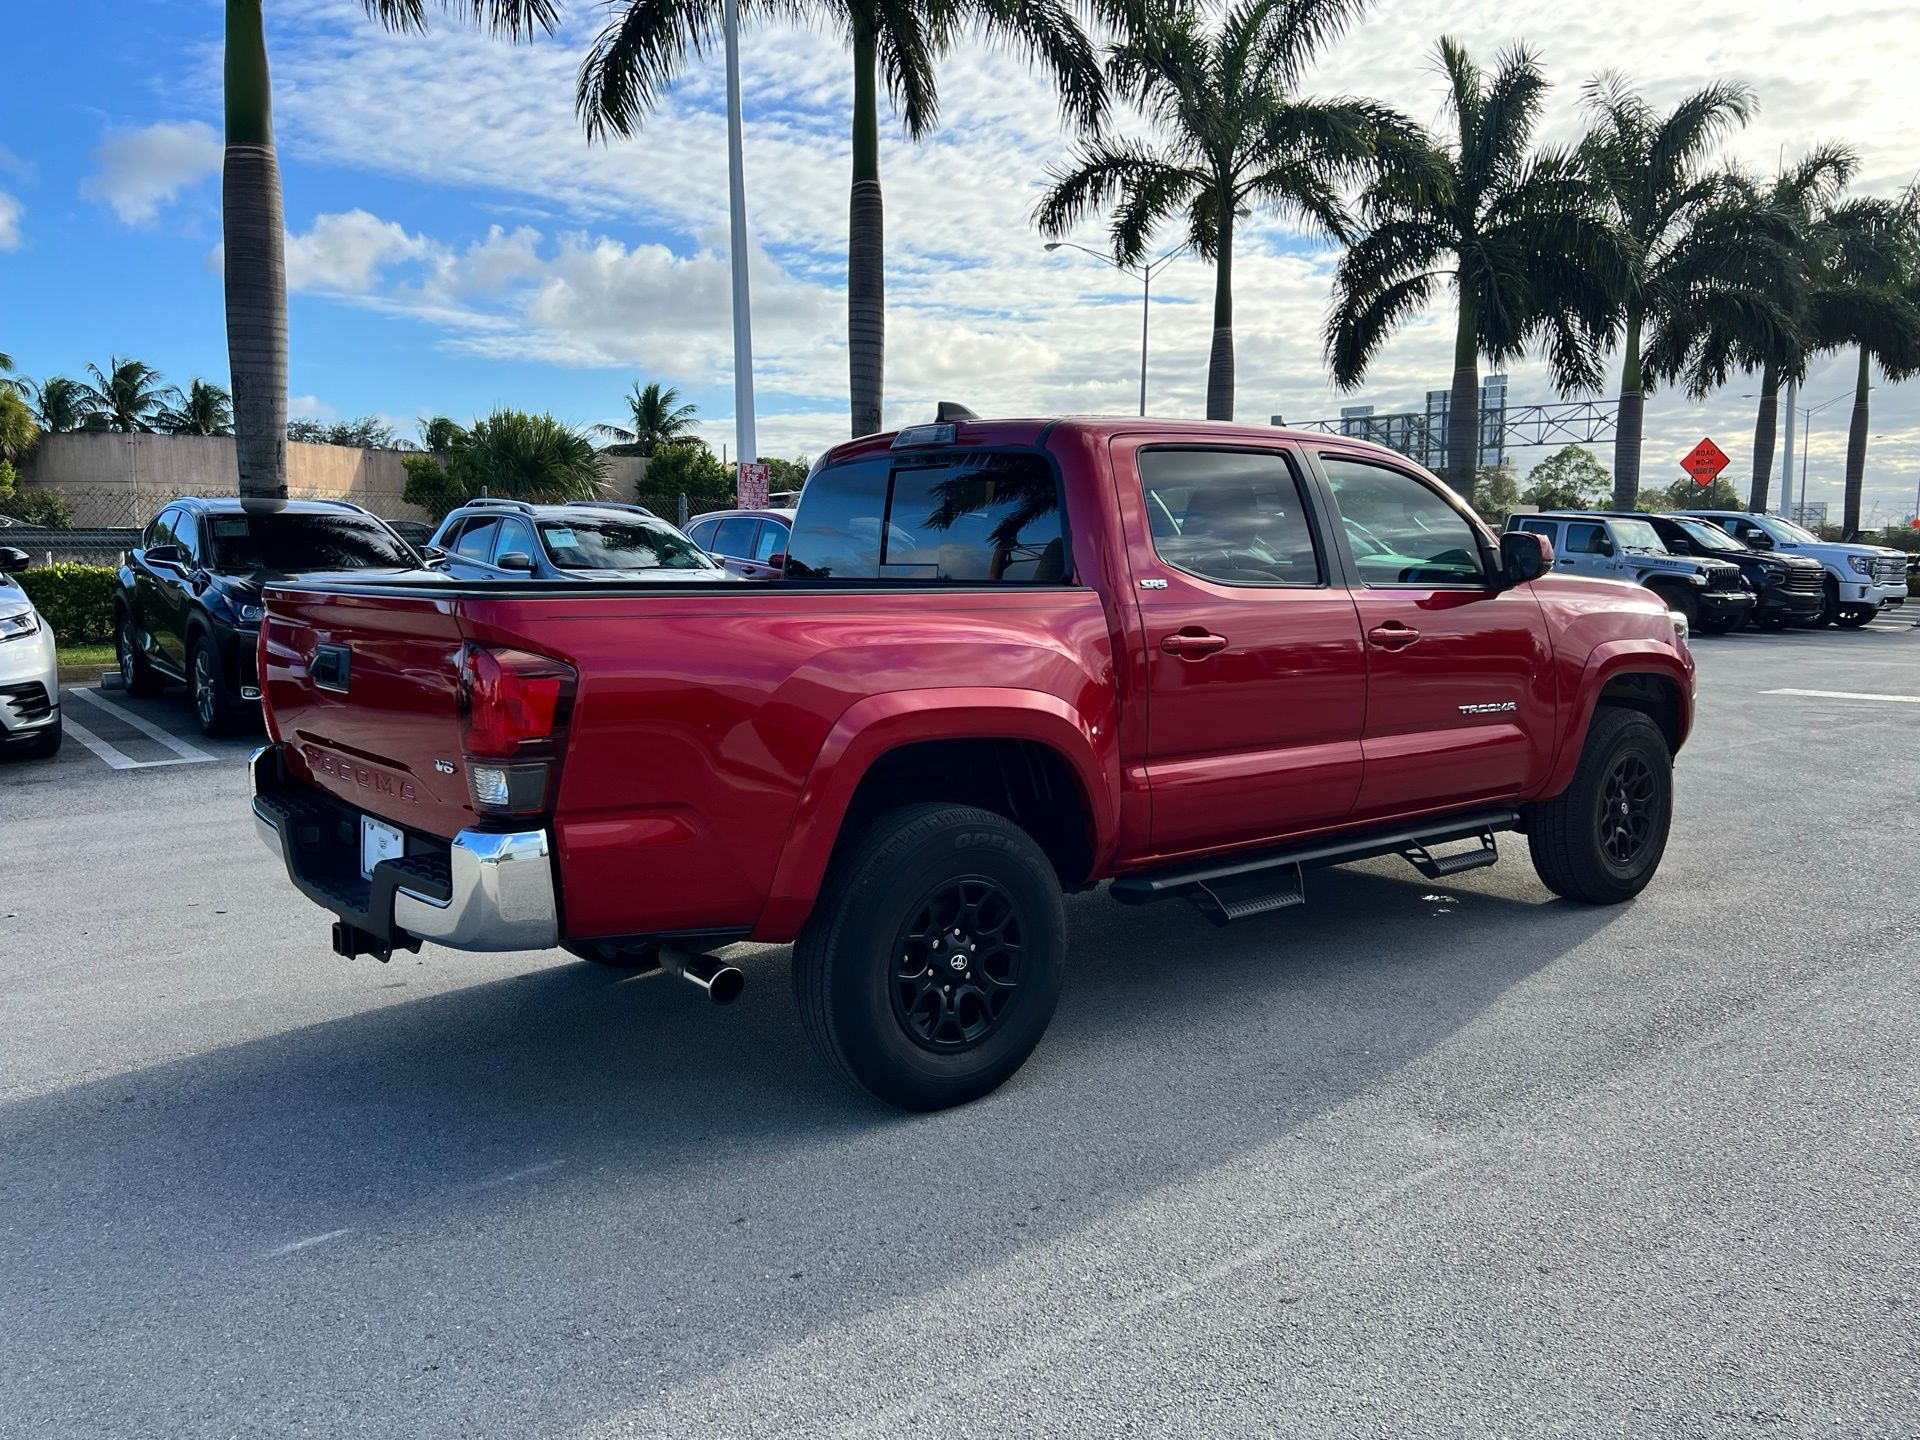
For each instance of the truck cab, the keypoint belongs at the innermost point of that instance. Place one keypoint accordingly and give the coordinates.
(1710, 593)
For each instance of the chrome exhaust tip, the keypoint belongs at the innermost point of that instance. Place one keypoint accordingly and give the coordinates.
(722, 983)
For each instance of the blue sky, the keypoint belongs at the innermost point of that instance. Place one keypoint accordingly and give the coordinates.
(455, 243)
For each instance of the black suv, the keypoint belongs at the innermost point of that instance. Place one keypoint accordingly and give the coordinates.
(188, 605)
(586, 539)
(1789, 588)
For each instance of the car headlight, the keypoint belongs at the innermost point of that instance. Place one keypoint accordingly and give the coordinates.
(1861, 563)
(18, 627)
(1696, 578)
(1680, 627)
(251, 614)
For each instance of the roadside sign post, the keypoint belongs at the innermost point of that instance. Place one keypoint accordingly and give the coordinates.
(753, 485)
(1704, 462)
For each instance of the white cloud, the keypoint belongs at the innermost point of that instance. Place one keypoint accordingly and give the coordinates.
(347, 253)
(311, 407)
(139, 171)
(10, 212)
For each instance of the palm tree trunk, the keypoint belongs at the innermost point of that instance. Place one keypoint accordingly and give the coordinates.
(1463, 406)
(1763, 427)
(1627, 425)
(255, 260)
(866, 245)
(1220, 358)
(1857, 446)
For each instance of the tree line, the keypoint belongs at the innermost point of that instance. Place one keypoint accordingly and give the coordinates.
(1635, 241)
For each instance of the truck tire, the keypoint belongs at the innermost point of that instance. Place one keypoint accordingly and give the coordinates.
(137, 677)
(1856, 617)
(1602, 839)
(926, 893)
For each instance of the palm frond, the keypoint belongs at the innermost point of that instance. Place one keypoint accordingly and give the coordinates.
(515, 19)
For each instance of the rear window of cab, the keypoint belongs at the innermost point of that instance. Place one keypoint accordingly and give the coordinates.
(973, 517)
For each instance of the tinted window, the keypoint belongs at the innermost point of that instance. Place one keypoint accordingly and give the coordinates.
(289, 544)
(1541, 527)
(981, 517)
(186, 534)
(773, 539)
(476, 539)
(1420, 538)
(603, 543)
(515, 534)
(1587, 539)
(160, 532)
(735, 536)
(702, 533)
(1235, 516)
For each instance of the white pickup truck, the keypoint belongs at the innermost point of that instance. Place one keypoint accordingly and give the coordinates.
(1862, 580)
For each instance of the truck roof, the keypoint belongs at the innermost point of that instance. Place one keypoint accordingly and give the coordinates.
(1035, 430)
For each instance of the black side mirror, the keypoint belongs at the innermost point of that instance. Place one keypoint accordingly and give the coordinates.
(165, 555)
(13, 558)
(1524, 556)
(1758, 540)
(515, 560)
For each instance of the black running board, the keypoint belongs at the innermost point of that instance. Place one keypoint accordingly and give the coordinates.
(1243, 886)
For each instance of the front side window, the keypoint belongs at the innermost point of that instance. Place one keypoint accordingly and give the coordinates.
(1237, 517)
(1422, 539)
(637, 543)
(1638, 535)
(514, 535)
(160, 532)
(989, 517)
(773, 539)
(290, 544)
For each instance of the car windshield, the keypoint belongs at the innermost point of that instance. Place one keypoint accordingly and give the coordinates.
(290, 544)
(1709, 537)
(1786, 530)
(1637, 535)
(603, 543)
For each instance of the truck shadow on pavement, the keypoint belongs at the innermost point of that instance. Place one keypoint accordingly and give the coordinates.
(573, 1190)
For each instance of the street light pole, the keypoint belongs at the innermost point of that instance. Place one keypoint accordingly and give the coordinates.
(1806, 438)
(749, 448)
(1143, 273)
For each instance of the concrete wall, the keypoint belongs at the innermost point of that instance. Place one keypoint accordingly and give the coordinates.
(125, 479)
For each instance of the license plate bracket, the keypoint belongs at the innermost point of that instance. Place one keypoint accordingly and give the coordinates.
(379, 841)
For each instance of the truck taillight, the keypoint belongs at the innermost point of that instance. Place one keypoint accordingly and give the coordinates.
(512, 698)
(260, 679)
(516, 706)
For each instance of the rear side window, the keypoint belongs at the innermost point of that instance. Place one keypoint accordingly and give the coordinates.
(978, 517)
(735, 537)
(1541, 527)
(702, 533)
(1587, 539)
(1234, 516)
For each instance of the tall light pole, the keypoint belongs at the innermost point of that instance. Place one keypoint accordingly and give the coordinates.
(1806, 419)
(737, 231)
(1144, 274)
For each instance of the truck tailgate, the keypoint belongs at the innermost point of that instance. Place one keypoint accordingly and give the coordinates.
(363, 691)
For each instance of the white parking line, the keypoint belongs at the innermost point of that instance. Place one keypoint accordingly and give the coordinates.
(1847, 695)
(186, 752)
(101, 748)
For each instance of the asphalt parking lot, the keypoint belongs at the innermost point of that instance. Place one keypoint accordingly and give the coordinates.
(1422, 1159)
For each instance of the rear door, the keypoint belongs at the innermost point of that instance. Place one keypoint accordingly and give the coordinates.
(1460, 689)
(1256, 681)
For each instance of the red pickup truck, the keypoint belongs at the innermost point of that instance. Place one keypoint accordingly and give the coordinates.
(1009, 659)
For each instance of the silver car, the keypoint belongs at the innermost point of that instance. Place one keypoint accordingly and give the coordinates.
(29, 673)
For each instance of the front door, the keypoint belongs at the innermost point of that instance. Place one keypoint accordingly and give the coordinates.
(1460, 688)
(1256, 688)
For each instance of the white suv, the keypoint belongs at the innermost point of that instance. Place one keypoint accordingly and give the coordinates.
(29, 672)
(1862, 580)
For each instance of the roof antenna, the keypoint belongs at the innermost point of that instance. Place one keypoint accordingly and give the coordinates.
(948, 411)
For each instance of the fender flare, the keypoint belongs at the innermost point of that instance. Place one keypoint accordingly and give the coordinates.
(873, 727)
(1609, 661)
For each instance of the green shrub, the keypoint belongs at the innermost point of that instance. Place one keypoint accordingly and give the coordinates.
(45, 508)
(430, 486)
(76, 600)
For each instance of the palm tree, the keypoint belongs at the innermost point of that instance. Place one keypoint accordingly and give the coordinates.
(1514, 233)
(8, 380)
(646, 43)
(1681, 220)
(1867, 296)
(658, 419)
(1231, 134)
(1708, 347)
(251, 222)
(205, 409)
(128, 396)
(61, 405)
(530, 457)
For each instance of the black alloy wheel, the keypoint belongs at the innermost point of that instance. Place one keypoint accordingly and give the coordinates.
(958, 974)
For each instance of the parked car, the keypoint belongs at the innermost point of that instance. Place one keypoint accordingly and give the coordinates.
(1711, 593)
(416, 533)
(515, 540)
(750, 543)
(902, 753)
(1787, 588)
(29, 669)
(188, 605)
(1861, 580)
